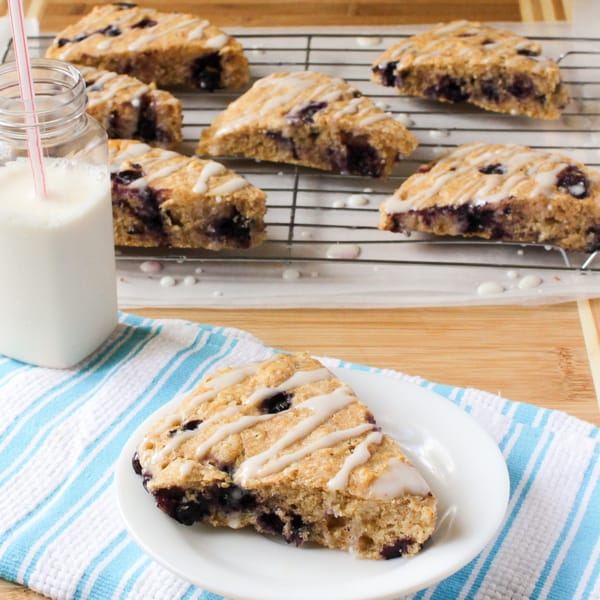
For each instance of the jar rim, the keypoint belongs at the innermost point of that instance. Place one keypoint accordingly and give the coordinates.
(68, 82)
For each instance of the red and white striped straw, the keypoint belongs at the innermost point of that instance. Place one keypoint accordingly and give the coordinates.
(34, 144)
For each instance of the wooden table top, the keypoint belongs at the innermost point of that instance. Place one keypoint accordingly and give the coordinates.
(544, 355)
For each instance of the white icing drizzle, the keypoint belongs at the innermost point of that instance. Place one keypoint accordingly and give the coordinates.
(290, 275)
(499, 47)
(359, 456)
(330, 439)
(349, 109)
(292, 92)
(322, 407)
(171, 421)
(219, 382)
(186, 468)
(217, 42)
(296, 380)
(228, 429)
(172, 445)
(164, 172)
(198, 32)
(400, 478)
(104, 44)
(542, 171)
(343, 251)
(106, 76)
(373, 119)
(115, 84)
(130, 152)
(107, 41)
(229, 378)
(231, 185)
(356, 200)
(530, 281)
(368, 41)
(150, 37)
(488, 288)
(210, 169)
(433, 48)
(450, 27)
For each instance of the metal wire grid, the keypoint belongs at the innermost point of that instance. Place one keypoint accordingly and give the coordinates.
(310, 218)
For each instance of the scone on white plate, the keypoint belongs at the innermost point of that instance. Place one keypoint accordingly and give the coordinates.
(287, 448)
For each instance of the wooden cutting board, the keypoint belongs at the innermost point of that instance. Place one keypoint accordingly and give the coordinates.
(56, 14)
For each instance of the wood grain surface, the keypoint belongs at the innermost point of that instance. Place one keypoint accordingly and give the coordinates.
(547, 355)
(56, 14)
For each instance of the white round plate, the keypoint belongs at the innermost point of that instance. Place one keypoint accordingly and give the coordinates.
(460, 461)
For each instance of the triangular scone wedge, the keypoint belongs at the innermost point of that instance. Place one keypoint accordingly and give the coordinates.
(170, 49)
(287, 448)
(131, 109)
(162, 198)
(309, 119)
(500, 192)
(465, 61)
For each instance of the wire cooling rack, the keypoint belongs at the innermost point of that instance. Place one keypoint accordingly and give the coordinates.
(316, 217)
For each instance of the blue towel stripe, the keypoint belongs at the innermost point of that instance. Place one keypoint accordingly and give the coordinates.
(138, 569)
(4, 536)
(9, 531)
(453, 586)
(189, 593)
(535, 450)
(584, 542)
(108, 454)
(103, 455)
(47, 406)
(114, 570)
(91, 573)
(581, 504)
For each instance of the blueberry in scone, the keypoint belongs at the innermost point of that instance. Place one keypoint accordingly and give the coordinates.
(287, 448)
(131, 109)
(465, 61)
(170, 49)
(500, 192)
(164, 199)
(309, 119)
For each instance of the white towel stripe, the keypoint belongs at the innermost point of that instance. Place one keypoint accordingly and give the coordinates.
(568, 541)
(516, 497)
(101, 565)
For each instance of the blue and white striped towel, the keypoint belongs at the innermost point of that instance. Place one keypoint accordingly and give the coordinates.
(61, 432)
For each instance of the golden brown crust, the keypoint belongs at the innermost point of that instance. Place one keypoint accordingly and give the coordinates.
(499, 191)
(162, 198)
(131, 109)
(249, 447)
(309, 119)
(465, 61)
(170, 49)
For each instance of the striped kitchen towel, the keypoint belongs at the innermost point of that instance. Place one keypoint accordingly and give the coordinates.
(61, 432)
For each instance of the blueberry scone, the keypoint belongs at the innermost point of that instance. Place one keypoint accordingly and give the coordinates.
(130, 109)
(500, 192)
(309, 119)
(465, 61)
(170, 49)
(165, 199)
(287, 448)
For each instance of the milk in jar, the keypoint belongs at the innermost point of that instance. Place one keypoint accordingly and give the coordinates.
(58, 300)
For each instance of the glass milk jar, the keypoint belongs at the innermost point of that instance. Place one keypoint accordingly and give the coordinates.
(57, 265)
